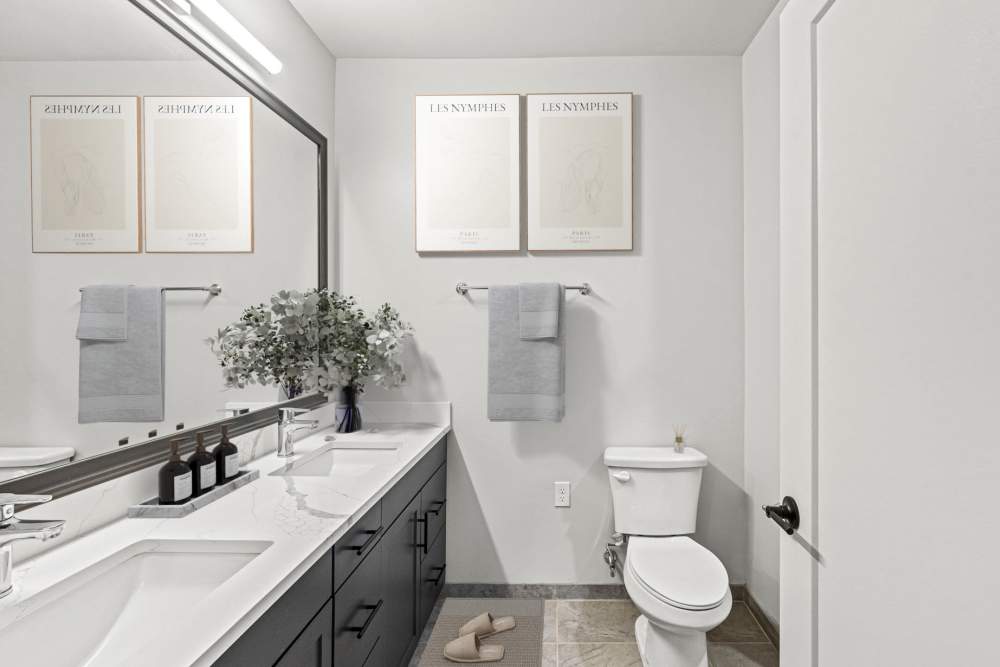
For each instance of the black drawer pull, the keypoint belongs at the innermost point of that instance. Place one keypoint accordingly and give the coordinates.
(437, 580)
(372, 534)
(362, 629)
(422, 544)
(440, 506)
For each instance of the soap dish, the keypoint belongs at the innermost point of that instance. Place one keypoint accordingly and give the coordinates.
(152, 509)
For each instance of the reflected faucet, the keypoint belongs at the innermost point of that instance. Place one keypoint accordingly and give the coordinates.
(13, 529)
(289, 424)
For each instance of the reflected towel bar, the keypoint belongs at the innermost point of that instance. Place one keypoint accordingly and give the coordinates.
(463, 288)
(213, 289)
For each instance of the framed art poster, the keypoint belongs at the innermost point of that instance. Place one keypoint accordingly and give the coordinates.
(580, 172)
(198, 157)
(84, 174)
(467, 173)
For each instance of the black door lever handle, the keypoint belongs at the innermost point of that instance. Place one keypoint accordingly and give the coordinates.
(785, 515)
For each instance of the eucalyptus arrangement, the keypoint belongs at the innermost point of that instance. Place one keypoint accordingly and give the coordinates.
(314, 340)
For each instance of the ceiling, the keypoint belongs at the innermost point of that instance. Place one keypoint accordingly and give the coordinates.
(84, 30)
(533, 28)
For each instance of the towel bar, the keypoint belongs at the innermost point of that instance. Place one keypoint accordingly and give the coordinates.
(213, 289)
(463, 288)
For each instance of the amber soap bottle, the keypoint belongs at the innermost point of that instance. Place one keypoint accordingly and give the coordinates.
(227, 458)
(175, 478)
(202, 468)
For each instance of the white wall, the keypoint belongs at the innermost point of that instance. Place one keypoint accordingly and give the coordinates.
(760, 273)
(661, 341)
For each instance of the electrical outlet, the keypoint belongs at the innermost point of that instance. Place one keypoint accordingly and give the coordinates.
(562, 494)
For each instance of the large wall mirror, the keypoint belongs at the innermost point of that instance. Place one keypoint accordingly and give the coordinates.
(90, 91)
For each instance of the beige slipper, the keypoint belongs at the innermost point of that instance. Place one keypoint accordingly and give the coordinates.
(485, 625)
(468, 649)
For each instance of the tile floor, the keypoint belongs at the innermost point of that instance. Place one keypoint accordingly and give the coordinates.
(601, 633)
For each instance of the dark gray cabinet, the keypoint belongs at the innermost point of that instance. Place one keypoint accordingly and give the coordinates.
(314, 647)
(366, 601)
(400, 551)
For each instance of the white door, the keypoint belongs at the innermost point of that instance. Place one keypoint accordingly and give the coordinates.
(890, 332)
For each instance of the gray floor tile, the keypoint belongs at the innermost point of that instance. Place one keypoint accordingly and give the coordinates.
(742, 655)
(549, 626)
(596, 621)
(599, 655)
(549, 656)
(740, 626)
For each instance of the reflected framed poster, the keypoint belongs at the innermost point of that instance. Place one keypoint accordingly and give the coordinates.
(580, 171)
(198, 176)
(467, 193)
(84, 174)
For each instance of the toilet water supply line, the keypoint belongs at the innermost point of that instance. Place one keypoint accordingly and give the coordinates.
(611, 552)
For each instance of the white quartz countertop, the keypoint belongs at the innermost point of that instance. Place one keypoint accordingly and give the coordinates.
(301, 517)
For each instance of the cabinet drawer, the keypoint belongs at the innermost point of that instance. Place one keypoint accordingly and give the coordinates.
(314, 647)
(432, 576)
(351, 549)
(275, 631)
(432, 503)
(406, 489)
(358, 612)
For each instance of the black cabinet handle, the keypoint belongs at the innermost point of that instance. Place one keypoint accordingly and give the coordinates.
(372, 534)
(437, 510)
(422, 543)
(362, 629)
(437, 580)
(785, 515)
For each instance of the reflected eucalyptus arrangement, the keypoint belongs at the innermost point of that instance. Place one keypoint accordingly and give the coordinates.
(314, 340)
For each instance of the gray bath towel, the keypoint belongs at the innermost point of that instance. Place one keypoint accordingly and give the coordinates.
(525, 376)
(538, 305)
(122, 381)
(103, 312)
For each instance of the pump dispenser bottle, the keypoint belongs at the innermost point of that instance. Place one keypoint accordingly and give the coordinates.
(202, 468)
(227, 458)
(175, 478)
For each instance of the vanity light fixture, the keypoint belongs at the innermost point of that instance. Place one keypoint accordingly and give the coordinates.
(177, 6)
(226, 22)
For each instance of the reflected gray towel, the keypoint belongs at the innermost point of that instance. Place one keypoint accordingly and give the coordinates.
(538, 309)
(103, 310)
(525, 376)
(122, 381)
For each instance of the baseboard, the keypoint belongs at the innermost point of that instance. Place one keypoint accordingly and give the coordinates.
(770, 628)
(556, 591)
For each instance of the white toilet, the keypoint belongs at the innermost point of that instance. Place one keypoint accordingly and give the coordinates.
(17, 461)
(680, 587)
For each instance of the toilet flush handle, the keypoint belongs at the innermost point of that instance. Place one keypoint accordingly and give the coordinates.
(622, 475)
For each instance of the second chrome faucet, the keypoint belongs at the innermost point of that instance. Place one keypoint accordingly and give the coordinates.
(288, 424)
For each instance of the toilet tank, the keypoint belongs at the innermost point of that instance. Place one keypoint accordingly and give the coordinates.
(655, 489)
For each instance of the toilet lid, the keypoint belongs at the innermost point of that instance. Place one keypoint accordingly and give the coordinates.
(678, 571)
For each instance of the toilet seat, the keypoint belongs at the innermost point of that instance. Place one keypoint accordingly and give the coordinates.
(678, 572)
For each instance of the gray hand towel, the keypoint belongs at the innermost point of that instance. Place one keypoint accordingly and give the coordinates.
(526, 377)
(122, 381)
(538, 305)
(103, 313)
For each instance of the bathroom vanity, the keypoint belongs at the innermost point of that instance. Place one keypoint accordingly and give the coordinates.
(368, 597)
(335, 555)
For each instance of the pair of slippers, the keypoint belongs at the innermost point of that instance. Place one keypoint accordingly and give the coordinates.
(467, 648)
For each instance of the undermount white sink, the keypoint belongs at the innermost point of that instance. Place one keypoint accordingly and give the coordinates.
(348, 458)
(119, 604)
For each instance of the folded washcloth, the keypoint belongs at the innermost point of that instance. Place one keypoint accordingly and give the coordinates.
(538, 306)
(122, 381)
(526, 377)
(103, 313)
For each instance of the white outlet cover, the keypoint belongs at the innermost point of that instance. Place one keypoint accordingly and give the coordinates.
(562, 494)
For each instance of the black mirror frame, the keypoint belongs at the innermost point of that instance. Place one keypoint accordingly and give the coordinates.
(76, 476)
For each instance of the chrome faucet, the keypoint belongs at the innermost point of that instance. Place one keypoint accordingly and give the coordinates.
(13, 529)
(289, 424)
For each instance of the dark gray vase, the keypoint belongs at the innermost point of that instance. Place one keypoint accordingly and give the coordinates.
(348, 413)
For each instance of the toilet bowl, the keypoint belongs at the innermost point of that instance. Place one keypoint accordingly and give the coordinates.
(680, 587)
(682, 591)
